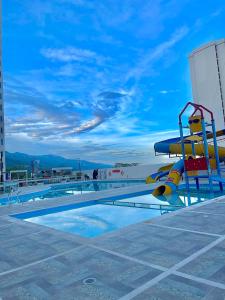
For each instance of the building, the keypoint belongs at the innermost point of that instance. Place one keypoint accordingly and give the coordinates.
(2, 129)
(132, 172)
(63, 171)
(207, 65)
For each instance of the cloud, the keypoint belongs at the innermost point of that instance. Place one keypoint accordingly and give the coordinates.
(92, 88)
(32, 112)
(89, 125)
(69, 54)
(107, 104)
(153, 55)
(38, 116)
(94, 147)
(164, 92)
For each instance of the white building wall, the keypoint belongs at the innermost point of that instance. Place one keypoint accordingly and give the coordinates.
(135, 172)
(221, 63)
(207, 66)
(2, 129)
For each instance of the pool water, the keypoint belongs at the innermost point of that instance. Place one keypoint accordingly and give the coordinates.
(87, 187)
(94, 220)
(108, 215)
(70, 189)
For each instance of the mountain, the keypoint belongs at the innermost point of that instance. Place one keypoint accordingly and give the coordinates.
(20, 161)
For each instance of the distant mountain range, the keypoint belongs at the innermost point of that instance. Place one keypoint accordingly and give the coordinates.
(21, 161)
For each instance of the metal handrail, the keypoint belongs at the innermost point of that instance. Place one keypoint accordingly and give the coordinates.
(141, 205)
(30, 182)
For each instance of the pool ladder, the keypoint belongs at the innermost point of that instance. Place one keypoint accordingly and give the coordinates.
(11, 196)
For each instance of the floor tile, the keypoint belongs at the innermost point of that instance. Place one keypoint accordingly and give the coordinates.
(210, 265)
(178, 288)
(161, 246)
(84, 273)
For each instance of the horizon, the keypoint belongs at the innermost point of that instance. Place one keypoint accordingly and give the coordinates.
(82, 160)
(105, 80)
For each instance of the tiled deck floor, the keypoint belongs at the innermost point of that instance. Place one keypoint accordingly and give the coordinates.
(177, 256)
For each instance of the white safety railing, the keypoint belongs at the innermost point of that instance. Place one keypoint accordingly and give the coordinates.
(7, 186)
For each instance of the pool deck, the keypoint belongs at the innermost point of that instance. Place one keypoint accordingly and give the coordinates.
(27, 190)
(180, 255)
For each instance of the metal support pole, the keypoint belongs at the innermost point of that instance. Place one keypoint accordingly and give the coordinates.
(206, 150)
(193, 146)
(183, 155)
(197, 182)
(194, 154)
(216, 153)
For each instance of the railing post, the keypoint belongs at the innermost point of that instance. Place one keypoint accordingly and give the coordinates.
(183, 155)
(216, 153)
(206, 150)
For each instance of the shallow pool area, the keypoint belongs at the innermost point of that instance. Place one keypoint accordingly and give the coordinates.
(68, 189)
(93, 218)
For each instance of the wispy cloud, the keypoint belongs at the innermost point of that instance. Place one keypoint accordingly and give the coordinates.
(164, 92)
(91, 74)
(146, 62)
(69, 54)
(88, 125)
(49, 118)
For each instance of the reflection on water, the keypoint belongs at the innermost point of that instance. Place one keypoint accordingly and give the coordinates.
(96, 186)
(177, 200)
(173, 199)
(87, 187)
(95, 220)
(62, 190)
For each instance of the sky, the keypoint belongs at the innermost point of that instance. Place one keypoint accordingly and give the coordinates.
(100, 80)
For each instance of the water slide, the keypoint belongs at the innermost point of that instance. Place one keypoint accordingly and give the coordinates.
(173, 146)
(162, 172)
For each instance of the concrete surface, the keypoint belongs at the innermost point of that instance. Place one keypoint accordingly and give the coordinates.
(180, 255)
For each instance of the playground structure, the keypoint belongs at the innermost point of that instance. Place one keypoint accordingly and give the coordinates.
(200, 156)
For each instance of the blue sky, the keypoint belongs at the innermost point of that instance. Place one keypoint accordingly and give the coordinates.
(100, 80)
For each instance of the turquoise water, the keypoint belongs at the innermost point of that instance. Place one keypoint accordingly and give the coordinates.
(95, 220)
(78, 188)
(87, 187)
(72, 189)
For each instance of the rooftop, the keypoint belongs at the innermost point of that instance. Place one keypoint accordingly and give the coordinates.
(180, 255)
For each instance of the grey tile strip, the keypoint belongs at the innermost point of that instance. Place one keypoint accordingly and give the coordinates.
(38, 261)
(28, 234)
(200, 280)
(11, 221)
(170, 271)
(145, 286)
(185, 230)
(5, 225)
(198, 253)
(205, 213)
(160, 268)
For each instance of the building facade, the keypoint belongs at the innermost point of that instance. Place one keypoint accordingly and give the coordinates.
(2, 129)
(207, 65)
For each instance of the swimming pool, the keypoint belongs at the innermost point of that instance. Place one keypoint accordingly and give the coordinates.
(94, 218)
(69, 189)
